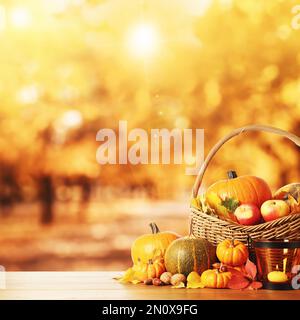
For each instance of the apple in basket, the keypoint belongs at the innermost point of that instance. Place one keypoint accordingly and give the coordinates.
(224, 196)
(274, 209)
(248, 214)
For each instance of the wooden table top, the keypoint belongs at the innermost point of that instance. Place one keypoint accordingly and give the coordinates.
(101, 286)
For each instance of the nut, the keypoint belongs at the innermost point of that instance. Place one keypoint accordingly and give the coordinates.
(223, 268)
(148, 282)
(166, 277)
(177, 278)
(157, 282)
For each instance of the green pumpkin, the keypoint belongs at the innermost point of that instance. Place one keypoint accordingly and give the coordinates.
(189, 254)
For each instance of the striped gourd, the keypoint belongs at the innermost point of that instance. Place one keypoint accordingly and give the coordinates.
(189, 254)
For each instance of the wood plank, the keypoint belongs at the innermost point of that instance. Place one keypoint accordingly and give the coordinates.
(100, 285)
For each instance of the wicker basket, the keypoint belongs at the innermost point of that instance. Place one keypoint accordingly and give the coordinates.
(205, 224)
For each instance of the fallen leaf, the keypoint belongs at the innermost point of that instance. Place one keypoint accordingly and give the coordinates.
(194, 281)
(193, 277)
(135, 281)
(238, 282)
(255, 285)
(128, 276)
(195, 285)
(251, 269)
(179, 286)
(235, 272)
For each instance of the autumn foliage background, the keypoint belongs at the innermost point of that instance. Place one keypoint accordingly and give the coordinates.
(67, 71)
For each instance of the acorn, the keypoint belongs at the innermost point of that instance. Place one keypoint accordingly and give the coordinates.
(157, 282)
(148, 282)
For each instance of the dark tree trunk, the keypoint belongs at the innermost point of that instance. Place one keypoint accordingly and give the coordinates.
(47, 199)
(86, 189)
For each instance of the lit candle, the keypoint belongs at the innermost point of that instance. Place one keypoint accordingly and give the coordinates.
(278, 276)
(284, 264)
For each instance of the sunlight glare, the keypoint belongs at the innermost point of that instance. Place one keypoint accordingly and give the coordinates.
(20, 17)
(72, 119)
(143, 40)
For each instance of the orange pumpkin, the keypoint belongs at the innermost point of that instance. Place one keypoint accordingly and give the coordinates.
(150, 270)
(232, 252)
(234, 191)
(213, 278)
(152, 246)
(156, 268)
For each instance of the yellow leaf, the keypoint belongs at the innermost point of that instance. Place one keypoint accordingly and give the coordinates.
(215, 203)
(193, 277)
(135, 281)
(195, 285)
(194, 281)
(294, 204)
(128, 276)
(179, 286)
(195, 203)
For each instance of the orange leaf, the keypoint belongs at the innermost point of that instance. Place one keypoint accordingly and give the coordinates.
(238, 282)
(251, 269)
(235, 272)
(255, 285)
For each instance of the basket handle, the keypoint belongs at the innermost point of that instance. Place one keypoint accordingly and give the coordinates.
(232, 134)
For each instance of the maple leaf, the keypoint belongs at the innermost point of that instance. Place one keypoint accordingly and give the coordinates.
(255, 285)
(238, 282)
(230, 204)
(244, 280)
(135, 281)
(179, 286)
(251, 269)
(235, 272)
(194, 281)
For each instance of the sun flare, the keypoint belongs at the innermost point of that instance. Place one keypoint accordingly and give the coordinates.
(143, 40)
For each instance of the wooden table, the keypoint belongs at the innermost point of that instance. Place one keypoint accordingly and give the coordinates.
(100, 285)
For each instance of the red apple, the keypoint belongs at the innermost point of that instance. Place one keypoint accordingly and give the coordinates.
(247, 214)
(274, 209)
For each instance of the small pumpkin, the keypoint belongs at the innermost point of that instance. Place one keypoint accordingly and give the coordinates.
(232, 252)
(151, 246)
(225, 196)
(150, 270)
(189, 254)
(213, 278)
(155, 269)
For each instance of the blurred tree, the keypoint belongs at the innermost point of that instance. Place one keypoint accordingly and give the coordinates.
(66, 72)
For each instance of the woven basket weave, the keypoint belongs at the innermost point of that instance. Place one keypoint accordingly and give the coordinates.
(205, 224)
